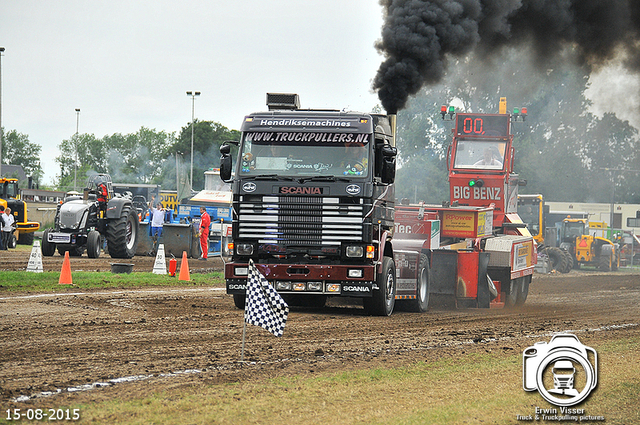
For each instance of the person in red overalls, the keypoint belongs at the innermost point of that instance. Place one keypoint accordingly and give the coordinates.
(205, 222)
(103, 197)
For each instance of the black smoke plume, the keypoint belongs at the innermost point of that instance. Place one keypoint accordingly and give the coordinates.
(418, 36)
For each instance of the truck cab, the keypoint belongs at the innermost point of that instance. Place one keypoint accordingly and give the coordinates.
(313, 204)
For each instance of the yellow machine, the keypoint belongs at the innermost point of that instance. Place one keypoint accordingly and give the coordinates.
(9, 197)
(531, 208)
(588, 249)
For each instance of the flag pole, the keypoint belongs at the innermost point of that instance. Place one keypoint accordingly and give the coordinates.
(244, 328)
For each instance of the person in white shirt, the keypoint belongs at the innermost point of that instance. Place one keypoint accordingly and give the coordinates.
(7, 229)
(157, 219)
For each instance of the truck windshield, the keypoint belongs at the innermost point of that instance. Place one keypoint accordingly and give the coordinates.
(313, 154)
(530, 214)
(480, 154)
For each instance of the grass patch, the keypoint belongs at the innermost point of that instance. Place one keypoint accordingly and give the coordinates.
(471, 388)
(13, 281)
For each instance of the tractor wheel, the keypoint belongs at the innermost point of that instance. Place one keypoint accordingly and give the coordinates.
(94, 242)
(122, 234)
(607, 257)
(48, 248)
(570, 262)
(421, 303)
(384, 298)
(12, 242)
(557, 258)
(26, 238)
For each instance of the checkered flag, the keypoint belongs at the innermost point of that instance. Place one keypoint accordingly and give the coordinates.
(264, 306)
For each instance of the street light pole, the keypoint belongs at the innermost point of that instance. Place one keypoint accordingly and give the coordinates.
(193, 106)
(75, 172)
(1, 132)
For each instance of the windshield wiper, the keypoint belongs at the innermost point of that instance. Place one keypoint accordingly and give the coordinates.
(323, 179)
(268, 177)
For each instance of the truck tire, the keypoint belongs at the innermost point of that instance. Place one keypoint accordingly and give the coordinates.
(517, 292)
(239, 301)
(93, 244)
(122, 234)
(421, 303)
(384, 298)
(26, 238)
(48, 248)
(523, 291)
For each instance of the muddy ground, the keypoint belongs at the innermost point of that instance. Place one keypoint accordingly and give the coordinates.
(85, 346)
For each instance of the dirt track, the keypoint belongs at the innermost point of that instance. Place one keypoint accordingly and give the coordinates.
(82, 346)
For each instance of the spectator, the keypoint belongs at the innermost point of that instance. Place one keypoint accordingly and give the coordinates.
(157, 219)
(7, 229)
(2, 246)
(205, 222)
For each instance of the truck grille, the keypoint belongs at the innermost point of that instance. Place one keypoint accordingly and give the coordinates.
(301, 221)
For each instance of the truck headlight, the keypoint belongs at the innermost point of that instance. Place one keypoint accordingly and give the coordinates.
(354, 273)
(314, 286)
(244, 249)
(283, 286)
(241, 271)
(354, 251)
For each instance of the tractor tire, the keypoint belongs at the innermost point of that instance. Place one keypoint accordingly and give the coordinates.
(557, 259)
(26, 238)
(384, 298)
(122, 234)
(48, 248)
(570, 262)
(607, 258)
(94, 242)
(421, 303)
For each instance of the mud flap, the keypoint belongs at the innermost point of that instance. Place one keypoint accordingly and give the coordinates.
(484, 293)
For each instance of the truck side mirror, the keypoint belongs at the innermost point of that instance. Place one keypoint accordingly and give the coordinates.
(388, 172)
(226, 163)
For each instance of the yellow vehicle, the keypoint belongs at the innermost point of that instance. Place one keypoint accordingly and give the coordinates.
(588, 249)
(531, 209)
(9, 197)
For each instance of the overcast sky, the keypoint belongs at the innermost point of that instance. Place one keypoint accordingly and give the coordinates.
(128, 64)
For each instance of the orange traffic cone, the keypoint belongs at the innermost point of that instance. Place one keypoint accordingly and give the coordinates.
(65, 274)
(184, 268)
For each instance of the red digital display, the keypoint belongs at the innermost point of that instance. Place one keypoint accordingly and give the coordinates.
(482, 125)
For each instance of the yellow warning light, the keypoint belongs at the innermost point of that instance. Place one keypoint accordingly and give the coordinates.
(503, 105)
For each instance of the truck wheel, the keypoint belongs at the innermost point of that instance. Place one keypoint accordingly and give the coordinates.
(522, 294)
(384, 298)
(48, 248)
(421, 303)
(240, 301)
(26, 238)
(511, 299)
(94, 242)
(122, 234)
